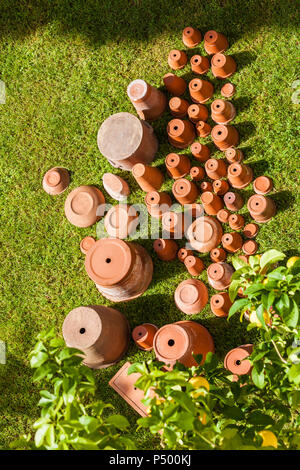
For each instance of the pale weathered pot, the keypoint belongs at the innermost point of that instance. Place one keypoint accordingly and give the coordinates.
(149, 102)
(115, 186)
(204, 234)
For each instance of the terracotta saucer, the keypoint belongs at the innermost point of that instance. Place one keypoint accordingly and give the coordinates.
(82, 206)
(56, 180)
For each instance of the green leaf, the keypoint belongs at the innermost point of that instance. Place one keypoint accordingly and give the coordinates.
(260, 315)
(233, 289)
(258, 378)
(170, 437)
(183, 400)
(254, 288)
(257, 417)
(138, 367)
(40, 435)
(294, 374)
(38, 359)
(118, 421)
(291, 317)
(270, 257)
(237, 306)
(89, 422)
(238, 263)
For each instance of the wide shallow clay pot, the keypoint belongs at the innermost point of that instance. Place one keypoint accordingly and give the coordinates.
(206, 186)
(126, 140)
(180, 133)
(216, 168)
(236, 360)
(121, 221)
(194, 265)
(191, 296)
(215, 42)
(261, 208)
(223, 216)
(183, 253)
(204, 234)
(197, 112)
(232, 242)
(166, 250)
(191, 37)
(86, 243)
(200, 152)
(56, 180)
(101, 333)
(224, 136)
(220, 304)
(148, 101)
(180, 341)
(197, 173)
(149, 178)
(177, 59)
(143, 336)
(173, 223)
(177, 166)
(234, 155)
(228, 90)
(222, 66)
(211, 203)
(217, 255)
(233, 201)
(157, 203)
(239, 175)
(178, 106)
(175, 85)
(115, 186)
(220, 187)
(219, 275)
(200, 90)
(199, 64)
(250, 230)
(203, 129)
(236, 221)
(185, 191)
(250, 247)
(222, 112)
(262, 185)
(121, 270)
(82, 206)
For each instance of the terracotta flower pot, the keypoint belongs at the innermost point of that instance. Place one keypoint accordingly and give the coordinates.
(222, 66)
(228, 90)
(195, 210)
(236, 360)
(173, 223)
(219, 275)
(233, 201)
(121, 221)
(236, 221)
(200, 152)
(200, 90)
(239, 175)
(185, 191)
(262, 185)
(216, 169)
(143, 336)
(232, 242)
(121, 270)
(177, 166)
(182, 340)
(157, 203)
(261, 208)
(166, 250)
(191, 37)
(220, 304)
(149, 178)
(215, 42)
(183, 253)
(56, 180)
(220, 187)
(204, 234)
(126, 140)
(191, 296)
(218, 255)
(224, 136)
(222, 112)
(250, 247)
(199, 64)
(178, 106)
(197, 112)
(197, 173)
(81, 206)
(206, 186)
(91, 329)
(86, 243)
(175, 85)
(115, 186)
(211, 203)
(250, 230)
(223, 216)
(203, 129)
(194, 265)
(149, 102)
(234, 155)
(177, 59)
(180, 133)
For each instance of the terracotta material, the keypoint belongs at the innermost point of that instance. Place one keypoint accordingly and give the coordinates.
(115, 186)
(177, 166)
(228, 90)
(199, 64)
(250, 230)
(236, 221)
(220, 187)
(200, 152)
(215, 42)
(194, 265)
(143, 336)
(121, 221)
(250, 247)
(180, 133)
(219, 275)
(239, 175)
(185, 191)
(191, 37)
(262, 185)
(149, 102)
(178, 106)
(206, 186)
(82, 206)
(234, 155)
(56, 180)
(191, 296)
(177, 59)
(175, 85)
(222, 66)
(195, 210)
(126, 140)
(203, 129)
(173, 223)
(197, 112)
(101, 333)
(86, 243)
(223, 216)
(236, 360)
(121, 270)
(261, 208)
(211, 203)
(197, 173)
(224, 136)
(183, 253)
(157, 203)
(217, 255)
(204, 234)
(200, 90)
(216, 169)
(220, 304)
(166, 250)
(233, 201)
(179, 341)
(222, 112)
(232, 242)
(149, 178)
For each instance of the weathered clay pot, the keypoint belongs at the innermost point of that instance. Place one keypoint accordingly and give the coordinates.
(200, 90)
(250, 230)
(149, 178)
(81, 206)
(236, 221)
(56, 180)
(204, 234)
(166, 250)
(143, 336)
(177, 59)
(194, 265)
(215, 42)
(261, 208)
(180, 133)
(216, 169)
(182, 340)
(223, 216)
(233, 201)
(220, 187)
(250, 247)
(197, 112)
(228, 90)
(206, 186)
(199, 64)
(101, 333)
(217, 255)
(191, 37)
(232, 242)
(203, 129)
(219, 275)
(222, 112)
(236, 360)
(197, 173)
(220, 304)
(234, 155)
(177, 166)
(222, 66)
(200, 152)
(115, 186)
(173, 223)
(239, 175)
(86, 243)
(211, 203)
(195, 210)
(224, 136)
(121, 270)
(126, 140)
(191, 296)
(148, 101)
(175, 85)
(178, 106)
(262, 185)
(183, 253)
(157, 203)
(121, 221)
(185, 191)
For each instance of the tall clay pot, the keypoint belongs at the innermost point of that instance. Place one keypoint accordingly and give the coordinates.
(204, 234)
(200, 90)
(239, 175)
(174, 84)
(219, 275)
(261, 208)
(224, 136)
(148, 101)
(215, 42)
(222, 66)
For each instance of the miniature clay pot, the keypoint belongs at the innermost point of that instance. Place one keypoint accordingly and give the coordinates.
(197, 112)
(126, 140)
(203, 129)
(185, 191)
(101, 333)
(219, 275)
(194, 265)
(223, 216)
(233, 201)
(200, 90)
(250, 230)
(121, 221)
(250, 247)
(236, 360)
(224, 136)
(191, 37)
(183, 253)
(197, 173)
(182, 340)
(115, 186)
(86, 243)
(220, 304)
(195, 210)
(82, 206)
(56, 180)
(157, 203)
(200, 152)
(232, 242)
(222, 112)
(178, 106)
(166, 250)
(215, 42)
(211, 202)
(173, 223)
(177, 166)
(261, 208)
(121, 270)
(180, 133)
(216, 169)
(148, 101)
(239, 175)
(149, 178)
(217, 255)
(234, 155)
(206, 186)
(143, 336)
(199, 64)
(177, 59)
(191, 296)
(228, 90)
(222, 66)
(262, 185)
(175, 85)
(204, 234)
(220, 187)
(236, 221)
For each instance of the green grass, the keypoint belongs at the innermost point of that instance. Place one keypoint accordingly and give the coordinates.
(66, 66)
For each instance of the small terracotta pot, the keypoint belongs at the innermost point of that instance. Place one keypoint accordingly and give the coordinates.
(216, 169)
(262, 185)
(222, 66)
(217, 255)
(215, 42)
(166, 250)
(211, 203)
(180, 133)
(175, 85)
(199, 64)
(86, 243)
(232, 242)
(91, 329)
(183, 253)
(204, 234)
(185, 191)
(250, 230)
(233, 201)
(177, 59)
(200, 90)
(220, 187)
(191, 37)
(173, 223)
(157, 203)
(223, 216)
(195, 210)
(177, 166)
(149, 102)
(228, 90)
(197, 112)
(203, 129)
(56, 180)
(224, 136)
(219, 275)
(261, 208)
(222, 112)
(191, 296)
(149, 178)
(197, 173)
(115, 186)
(200, 152)
(81, 206)
(236, 221)
(143, 336)
(236, 360)
(220, 304)
(234, 155)
(206, 186)
(178, 106)
(250, 247)
(194, 265)
(121, 221)
(239, 175)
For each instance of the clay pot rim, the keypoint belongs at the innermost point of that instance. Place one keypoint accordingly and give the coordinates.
(252, 234)
(243, 348)
(170, 327)
(63, 180)
(144, 85)
(84, 249)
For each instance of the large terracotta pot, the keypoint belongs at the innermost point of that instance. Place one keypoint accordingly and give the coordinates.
(177, 59)
(224, 136)
(219, 275)
(56, 180)
(181, 133)
(222, 112)
(148, 101)
(82, 206)
(236, 360)
(177, 166)
(222, 66)
(215, 42)
(174, 84)
(239, 175)
(149, 178)
(191, 37)
(185, 191)
(200, 90)
(204, 234)
(115, 186)
(261, 208)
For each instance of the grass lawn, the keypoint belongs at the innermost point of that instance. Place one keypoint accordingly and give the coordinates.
(66, 66)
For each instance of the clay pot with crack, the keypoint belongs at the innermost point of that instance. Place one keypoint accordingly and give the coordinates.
(220, 304)
(143, 336)
(181, 133)
(191, 296)
(199, 64)
(203, 129)
(197, 112)
(206, 186)
(224, 136)
(149, 102)
(200, 90)
(191, 37)
(250, 230)
(236, 221)
(200, 152)
(121, 221)
(234, 155)
(228, 90)
(219, 275)
(211, 203)
(197, 173)
(194, 265)
(149, 178)
(236, 360)
(218, 255)
(115, 186)
(86, 243)
(174, 84)
(166, 250)
(220, 187)
(215, 42)
(250, 247)
(223, 216)
(222, 112)
(204, 234)
(173, 223)
(56, 180)
(183, 253)
(178, 106)
(239, 175)
(233, 201)
(177, 166)
(222, 66)
(216, 168)
(185, 191)
(232, 242)
(177, 59)
(157, 203)
(82, 206)
(261, 208)
(262, 185)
